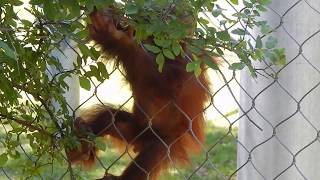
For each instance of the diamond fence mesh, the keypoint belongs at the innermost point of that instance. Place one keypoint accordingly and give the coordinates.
(277, 112)
(284, 102)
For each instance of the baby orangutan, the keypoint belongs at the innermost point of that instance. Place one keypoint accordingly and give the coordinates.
(166, 124)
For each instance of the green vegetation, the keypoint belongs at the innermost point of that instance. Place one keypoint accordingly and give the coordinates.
(221, 162)
(34, 116)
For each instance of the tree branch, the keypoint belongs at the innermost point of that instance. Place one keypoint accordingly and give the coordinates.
(26, 124)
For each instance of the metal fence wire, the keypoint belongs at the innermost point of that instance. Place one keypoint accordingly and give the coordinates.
(257, 128)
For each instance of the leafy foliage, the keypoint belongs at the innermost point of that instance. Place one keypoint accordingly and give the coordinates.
(29, 94)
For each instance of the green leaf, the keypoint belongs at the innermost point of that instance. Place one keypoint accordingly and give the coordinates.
(50, 10)
(36, 2)
(140, 3)
(99, 3)
(83, 34)
(259, 42)
(72, 6)
(239, 31)
(85, 83)
(264, 2)
(84, 50)
(217, 12)
(95, 72)
(160, 61)
(16, 2)
(190, 67)
(271, 42)
(247, 4)
(167, 53)
(261, 8)
(159, 42)
(26, 23)
(100, 143)
(151, 48)
(234, 2)
(3, 159)
(166, 43)
(162, 42)
(265, 29)
(219, 51)
(281, 56)
(178, 34)
(141, 32)
(223, 35)
(7, 50)
(259, 53)
(256, 13)
(237, 66)
(272, 56)
(197, 69)
(203, 21)
(210, 62)
(176, 48)
(212, 30)
(195, 49)
(103, 70)
(131, 9)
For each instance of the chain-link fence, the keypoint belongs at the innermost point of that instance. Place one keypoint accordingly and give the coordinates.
(284, 101)
(275, 114)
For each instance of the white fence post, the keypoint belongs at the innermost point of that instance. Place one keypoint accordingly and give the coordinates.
(288, 109)
(67, 57)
